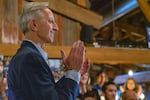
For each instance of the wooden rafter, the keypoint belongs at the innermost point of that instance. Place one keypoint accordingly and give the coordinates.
(131, 28)
(134, 33)
(145, 7)
(74, 12)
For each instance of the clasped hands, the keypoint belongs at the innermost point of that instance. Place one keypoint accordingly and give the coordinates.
(75, 59)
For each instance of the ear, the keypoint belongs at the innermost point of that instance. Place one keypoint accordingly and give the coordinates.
(33, 25)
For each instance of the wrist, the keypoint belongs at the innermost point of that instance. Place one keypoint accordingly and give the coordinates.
(73, 74)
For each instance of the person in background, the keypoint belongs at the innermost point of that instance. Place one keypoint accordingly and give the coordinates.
(84, 84)
(3, 84)
(109, 91)
(55, 72)
(29, 75)
(100, 79)
(86, 92)
(129, 95)
(132, 85)
(90, 95)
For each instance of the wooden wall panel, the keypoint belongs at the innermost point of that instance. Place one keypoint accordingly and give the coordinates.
(9, 23)
(56, 37)
(1, 12)
(60, 31)
(70, 31)
(20, 7)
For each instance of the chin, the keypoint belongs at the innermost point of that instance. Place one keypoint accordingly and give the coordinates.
(51, 41)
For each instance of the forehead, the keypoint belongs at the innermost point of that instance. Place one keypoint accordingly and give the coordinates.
(89, 98)
(111, 87)
(48, 11)
(130, 81)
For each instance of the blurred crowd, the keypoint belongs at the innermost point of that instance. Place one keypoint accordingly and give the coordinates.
(98, 89)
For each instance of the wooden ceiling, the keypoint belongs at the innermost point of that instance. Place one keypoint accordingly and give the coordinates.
(127, 29)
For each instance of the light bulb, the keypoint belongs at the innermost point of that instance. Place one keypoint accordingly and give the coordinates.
(130, 73)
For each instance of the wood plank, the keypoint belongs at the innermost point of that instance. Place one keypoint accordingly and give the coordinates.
(140, 77)
(145, 7)
(9, 27)
(20, 6)
(97, 55)
(74, 12)
(1, 16)
(82, 2)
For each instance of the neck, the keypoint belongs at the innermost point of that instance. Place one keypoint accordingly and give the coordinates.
(83, 89)
(35, 39)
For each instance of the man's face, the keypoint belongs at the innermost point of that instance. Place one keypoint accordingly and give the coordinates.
(110, 92)
(46, 27)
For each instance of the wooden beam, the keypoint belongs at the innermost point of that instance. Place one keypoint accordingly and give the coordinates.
(130, 28)
(129, 15)
(134, 33)
(145, 8)
(74, 12)
(140, 77)
(97, 55)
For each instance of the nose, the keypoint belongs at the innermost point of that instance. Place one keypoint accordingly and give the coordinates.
(55, 27)
(114, 93)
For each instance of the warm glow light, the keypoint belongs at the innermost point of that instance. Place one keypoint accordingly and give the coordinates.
(96, 45)
(130, 73)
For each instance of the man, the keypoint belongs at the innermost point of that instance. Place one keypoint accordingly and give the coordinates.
(109, 90)
(29, 75)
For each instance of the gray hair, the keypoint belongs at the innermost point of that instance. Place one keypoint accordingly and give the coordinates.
(27, 15)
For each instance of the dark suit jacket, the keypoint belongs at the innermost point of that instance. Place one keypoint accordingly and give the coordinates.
(30, 78)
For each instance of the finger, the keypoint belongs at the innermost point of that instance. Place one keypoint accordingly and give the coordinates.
(78, 44)
(75, 50)
(88, 64)
(82, 51)
(74, 44)
(85, 67)
(63, 56)
(81, 43)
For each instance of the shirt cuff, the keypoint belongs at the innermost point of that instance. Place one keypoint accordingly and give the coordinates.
(74, 75)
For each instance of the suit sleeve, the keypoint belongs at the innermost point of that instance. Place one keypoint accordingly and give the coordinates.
(38, 84)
